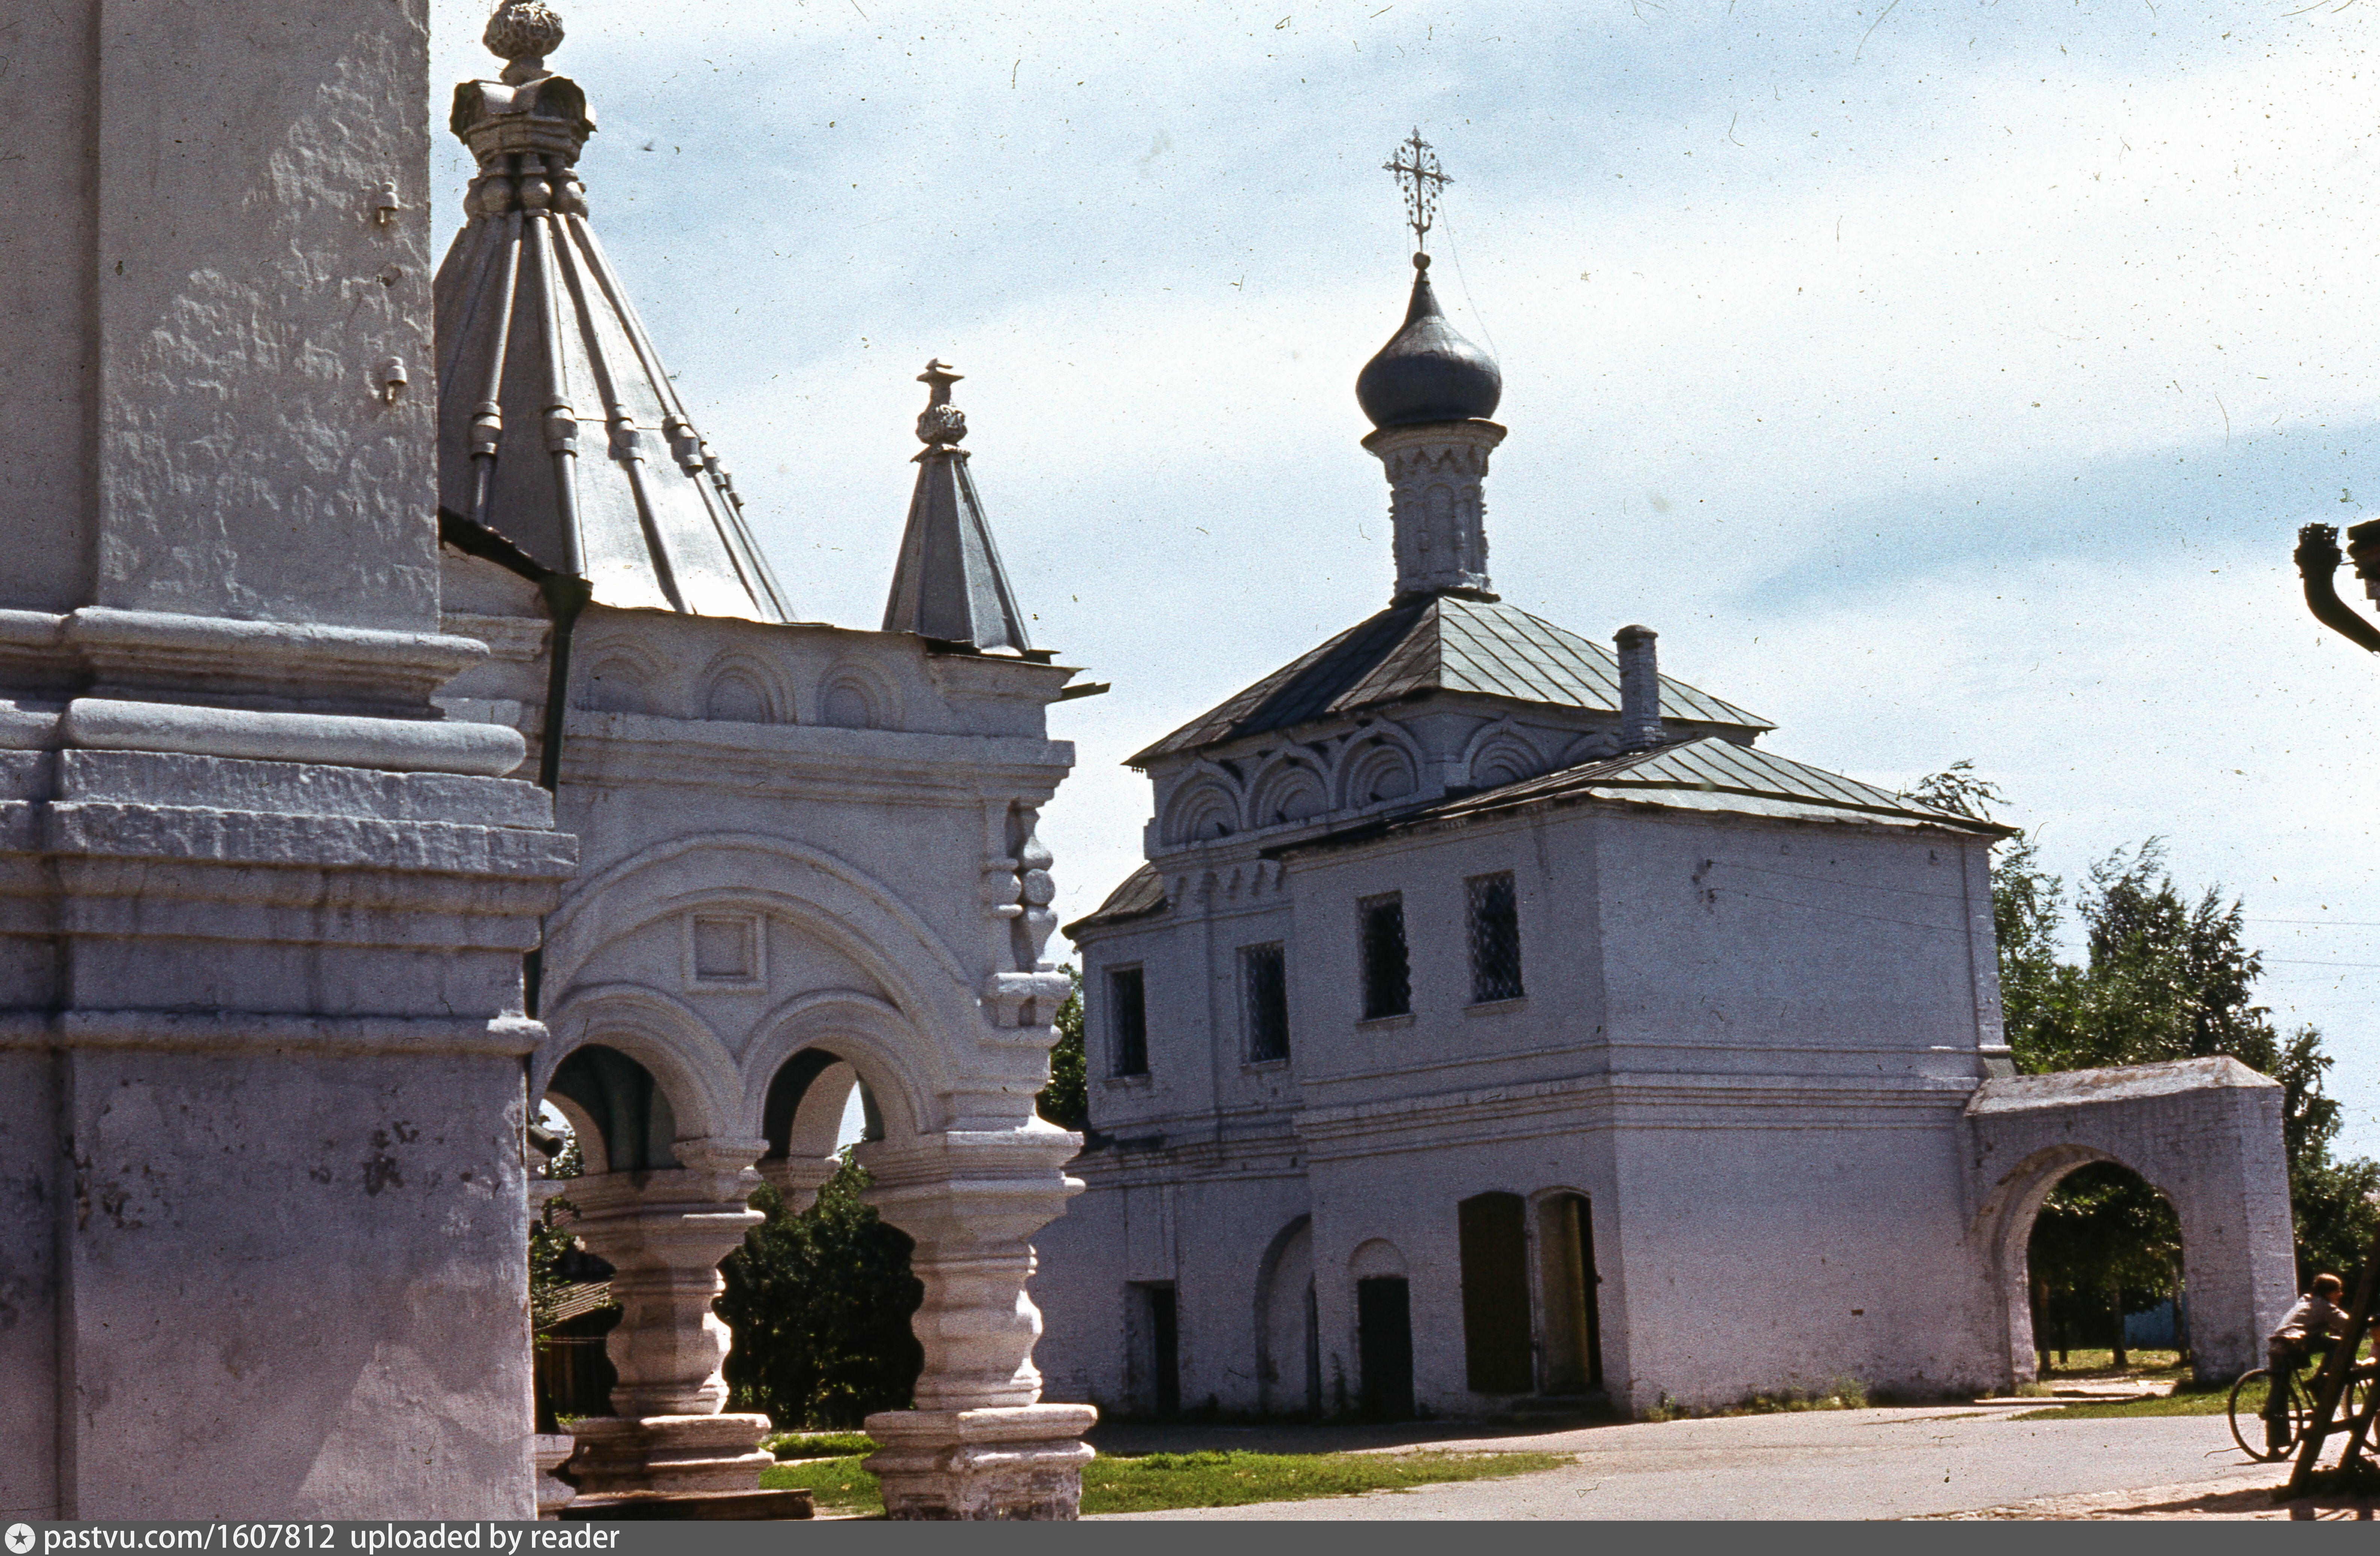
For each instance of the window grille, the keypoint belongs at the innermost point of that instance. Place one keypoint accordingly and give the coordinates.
(1128, 1021)
(1388, 987)
(1495, 938)
(1264, 994)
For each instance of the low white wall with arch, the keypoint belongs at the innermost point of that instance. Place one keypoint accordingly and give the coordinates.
(2205, 1132)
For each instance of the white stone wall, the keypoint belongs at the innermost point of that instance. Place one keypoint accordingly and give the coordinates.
(1730, 1023)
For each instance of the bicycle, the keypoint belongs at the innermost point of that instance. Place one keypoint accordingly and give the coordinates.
(2254, 1391)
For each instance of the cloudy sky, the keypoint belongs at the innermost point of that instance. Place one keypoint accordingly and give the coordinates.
(1943, 380)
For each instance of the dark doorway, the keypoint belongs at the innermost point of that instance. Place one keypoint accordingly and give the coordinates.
(1384, 1346)
(1573, 1327)
(1496, 1293)
(1156, 1350)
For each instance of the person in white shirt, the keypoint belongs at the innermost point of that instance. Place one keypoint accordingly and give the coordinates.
(2312, 1324)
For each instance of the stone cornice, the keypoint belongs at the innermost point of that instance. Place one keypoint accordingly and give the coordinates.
(635, 748)
(1673, 1101)
(231, 663)
(214, 1032)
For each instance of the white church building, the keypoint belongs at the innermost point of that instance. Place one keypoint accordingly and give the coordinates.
(1496, 1022)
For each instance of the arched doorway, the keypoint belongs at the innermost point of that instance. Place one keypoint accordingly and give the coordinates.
(1384, 1369)
(2205, 1132)
(1494, 1237)
(1567, 1283)
(820, 1295)
(661, 1201)
(2104, 1270)
(1289, 1342)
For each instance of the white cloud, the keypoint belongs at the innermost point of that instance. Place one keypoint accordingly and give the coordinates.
(1942, 383)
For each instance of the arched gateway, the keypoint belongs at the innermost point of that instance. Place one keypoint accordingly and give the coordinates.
(2205, 1132)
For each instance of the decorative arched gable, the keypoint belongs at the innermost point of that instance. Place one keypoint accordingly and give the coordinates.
(1206, 806)
(929, 990)
(618, 675)
(1377, 768)
(1292, 788)
(687, 1060)
(854, 694)
(1594, 745)
(743, 689)
(1501, 753)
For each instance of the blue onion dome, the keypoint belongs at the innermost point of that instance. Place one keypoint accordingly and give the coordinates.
(1426, 373)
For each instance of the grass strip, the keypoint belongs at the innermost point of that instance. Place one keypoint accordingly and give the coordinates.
(836, 1483)
(818, 1445)
(2186, 1399)
(1156, 1482)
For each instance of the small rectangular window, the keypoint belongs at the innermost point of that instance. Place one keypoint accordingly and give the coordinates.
(1388, 987)
(1495, 938)
(1264, 1002)
(1128, 1021)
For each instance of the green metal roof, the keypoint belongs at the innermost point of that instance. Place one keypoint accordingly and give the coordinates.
(1142, 893)
(1706, 774)
(1443, 643)
(1702, 775)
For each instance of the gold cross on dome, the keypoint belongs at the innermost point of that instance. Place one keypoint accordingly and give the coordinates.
(1415, 166)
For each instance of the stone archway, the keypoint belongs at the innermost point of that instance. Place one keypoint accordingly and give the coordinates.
(661, 1208)
(2204, 1133)
(1289, 1342)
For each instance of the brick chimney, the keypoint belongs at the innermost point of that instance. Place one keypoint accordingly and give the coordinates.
(1640, 689)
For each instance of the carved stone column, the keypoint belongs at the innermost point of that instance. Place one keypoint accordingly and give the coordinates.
(664, 1234)
(980, 1444)
(1436, 470)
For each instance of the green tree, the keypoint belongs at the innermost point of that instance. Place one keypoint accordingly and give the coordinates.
(549, 1231)
(1064, 1101)
(2163, 976)
(819, 1303)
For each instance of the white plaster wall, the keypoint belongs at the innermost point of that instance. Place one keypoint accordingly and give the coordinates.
(245, 294)
(48, 282)
(1738, 945)
(1207, 1235)
(344, 1335)
(1769, 1251)
(1723, 1033)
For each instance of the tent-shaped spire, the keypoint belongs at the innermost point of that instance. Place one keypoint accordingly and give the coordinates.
(557, 426)
(948, 584)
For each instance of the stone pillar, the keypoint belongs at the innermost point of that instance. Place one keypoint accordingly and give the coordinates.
(978, 1444)
(263, 1226)
(664, 1234)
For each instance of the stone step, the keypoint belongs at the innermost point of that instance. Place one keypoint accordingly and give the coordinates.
(691, 1506)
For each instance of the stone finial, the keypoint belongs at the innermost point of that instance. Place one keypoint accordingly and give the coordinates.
(941, 423)
(523, 32)
(948, 586)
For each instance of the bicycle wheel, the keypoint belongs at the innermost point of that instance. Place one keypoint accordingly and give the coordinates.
(2248, 1396)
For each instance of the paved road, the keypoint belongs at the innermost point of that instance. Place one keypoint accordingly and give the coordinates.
(1842, 1464)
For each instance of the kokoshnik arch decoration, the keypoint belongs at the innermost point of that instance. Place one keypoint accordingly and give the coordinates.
(811, 860)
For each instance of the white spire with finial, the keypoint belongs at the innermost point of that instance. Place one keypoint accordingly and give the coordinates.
(948, 584)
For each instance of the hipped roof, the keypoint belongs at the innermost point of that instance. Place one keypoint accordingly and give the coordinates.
(586, 459)
(1440, 643)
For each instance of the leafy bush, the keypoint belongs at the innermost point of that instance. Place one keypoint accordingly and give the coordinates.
(819, 1303)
